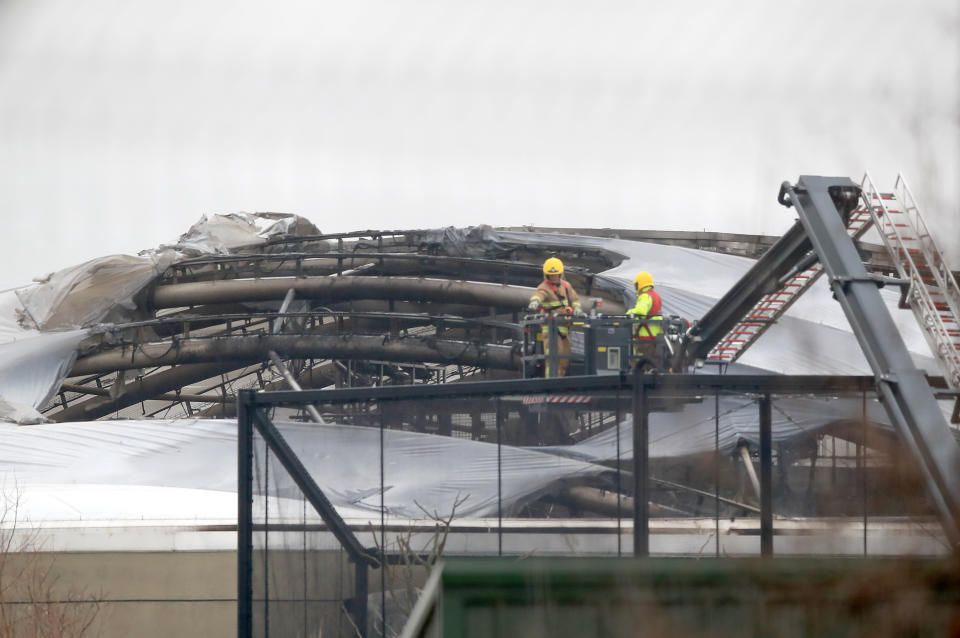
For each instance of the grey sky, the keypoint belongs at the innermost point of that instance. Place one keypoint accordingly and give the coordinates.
(122, 122)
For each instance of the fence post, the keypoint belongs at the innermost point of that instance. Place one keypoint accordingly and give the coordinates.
(641, 467)
(244, 516)
(766, 477)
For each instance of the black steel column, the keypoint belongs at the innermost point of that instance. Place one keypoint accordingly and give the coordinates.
(903, 388)
(244, 516)
(641, 468)
(361, 589)
(766, 477)
(716, 471)
(499, 422)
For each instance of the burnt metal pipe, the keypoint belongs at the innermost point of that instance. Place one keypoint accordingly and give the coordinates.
(257, 347)
(319, 376)
(327, 289)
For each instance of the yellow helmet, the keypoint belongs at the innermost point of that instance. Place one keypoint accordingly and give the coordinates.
(552, 266)
(642, 280)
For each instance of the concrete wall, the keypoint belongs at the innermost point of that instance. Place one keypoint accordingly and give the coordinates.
(144, 594)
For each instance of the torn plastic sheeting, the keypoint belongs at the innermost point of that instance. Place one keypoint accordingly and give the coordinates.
(694, 430)
(103, 289)
(473, 241)
(32, 363)
(483, 241)
(343, 460)
(220, 234)
(95, 291)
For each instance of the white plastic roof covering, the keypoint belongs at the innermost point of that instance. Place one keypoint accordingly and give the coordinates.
(725, 423)
(200, 455)
(196, 457)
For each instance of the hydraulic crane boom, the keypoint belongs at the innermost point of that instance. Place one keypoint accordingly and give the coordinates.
(902, 387)
(832, 213)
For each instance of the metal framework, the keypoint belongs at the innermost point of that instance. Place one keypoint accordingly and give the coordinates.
(822, 203)
(250, 420)
(641, 391)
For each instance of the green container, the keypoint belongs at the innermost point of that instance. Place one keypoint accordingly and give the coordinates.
(585, 598)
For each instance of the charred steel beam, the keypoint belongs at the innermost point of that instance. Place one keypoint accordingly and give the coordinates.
(256, 348)
(339, 289)
(327, 263)
(319, 376)
(411, 307)
(661, 385)
(143, 389)
(339, 321)
(170, 396)
(207, 316)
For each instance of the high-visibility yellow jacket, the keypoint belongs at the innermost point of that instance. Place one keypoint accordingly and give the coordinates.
(647, 307)
(556, 299)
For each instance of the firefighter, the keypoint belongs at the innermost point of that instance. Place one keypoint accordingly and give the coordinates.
(646, 315)
(556, 296)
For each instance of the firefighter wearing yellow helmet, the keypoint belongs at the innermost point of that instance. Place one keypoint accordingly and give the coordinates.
(647, 315)
(555, 295)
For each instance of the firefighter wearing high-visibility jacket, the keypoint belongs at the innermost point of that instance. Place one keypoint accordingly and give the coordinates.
(646, 314)
(556, 296)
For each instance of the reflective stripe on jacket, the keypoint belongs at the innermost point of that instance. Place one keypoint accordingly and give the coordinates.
(647, 307)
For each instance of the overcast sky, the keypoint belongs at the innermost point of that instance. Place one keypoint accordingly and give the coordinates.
(123, 121)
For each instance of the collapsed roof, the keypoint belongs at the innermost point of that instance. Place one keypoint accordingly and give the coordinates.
(176, 331)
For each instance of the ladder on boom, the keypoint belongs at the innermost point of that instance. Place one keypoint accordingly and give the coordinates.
(933, 294)
(771, 307)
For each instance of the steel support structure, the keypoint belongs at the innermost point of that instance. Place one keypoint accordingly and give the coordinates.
(766, 476)
(256, 348)
(658, 386)
(643, 389)
(820, 203)
(762, 278)
(244, 520)
(252, 418)
(641, 468)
